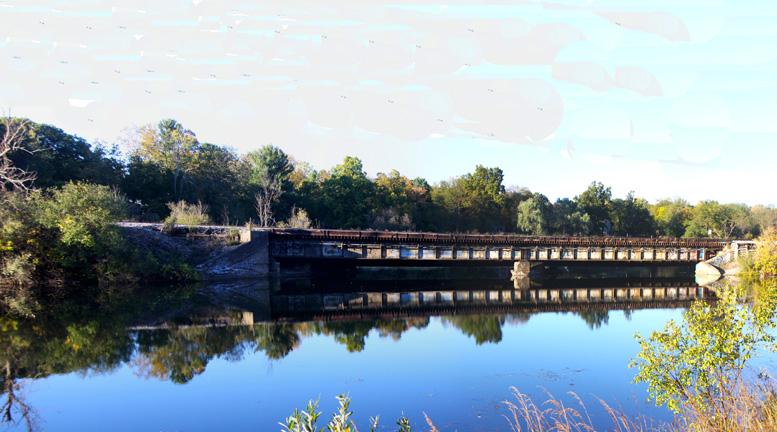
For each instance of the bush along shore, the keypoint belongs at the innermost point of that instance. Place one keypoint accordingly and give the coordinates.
(53, 242)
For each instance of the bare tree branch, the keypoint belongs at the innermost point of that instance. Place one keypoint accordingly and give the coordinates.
(12, 177)
(269, 191)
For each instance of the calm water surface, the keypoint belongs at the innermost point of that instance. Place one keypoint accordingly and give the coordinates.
(242, 357)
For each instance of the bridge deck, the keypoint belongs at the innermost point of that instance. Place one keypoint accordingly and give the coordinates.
(517, 240)
(408, 248)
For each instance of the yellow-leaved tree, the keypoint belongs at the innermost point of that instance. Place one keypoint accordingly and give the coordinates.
(766, 252)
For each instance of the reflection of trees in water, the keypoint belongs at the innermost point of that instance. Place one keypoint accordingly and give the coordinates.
(595, 318)
(179, 354)
(14, 410)
(485, 328)
(101, 343)
(395, 328)
(277, 340)
(352, 334)
(519, 318)
(55, 345)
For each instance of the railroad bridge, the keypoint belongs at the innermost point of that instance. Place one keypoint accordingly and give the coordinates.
(381, 248)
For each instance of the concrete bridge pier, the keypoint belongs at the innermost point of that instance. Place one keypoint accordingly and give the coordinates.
(521, 268)
(521, 282)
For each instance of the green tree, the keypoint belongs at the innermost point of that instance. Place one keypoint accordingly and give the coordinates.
(346, 196)
(83, 216)
(710, 218)
(448, 201)
(218, 183)
(534, 215)
(53, 157)
(169, 146)
(484, 197)
(671, 216)
(569, 218)
(764, 216)
(392, 192)
(395, 201)
(699, 363)
(272, 161)
(596, 201)
(147, 186)
(632, 216)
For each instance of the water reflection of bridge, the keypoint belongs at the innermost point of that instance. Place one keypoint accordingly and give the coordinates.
(301, 306)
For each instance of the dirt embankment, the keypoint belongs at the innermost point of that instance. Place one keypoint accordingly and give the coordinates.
(194, 246)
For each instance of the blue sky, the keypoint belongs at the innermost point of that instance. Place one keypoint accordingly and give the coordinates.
(666, 98)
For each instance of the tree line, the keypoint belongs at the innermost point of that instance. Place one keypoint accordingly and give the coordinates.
(165, 163)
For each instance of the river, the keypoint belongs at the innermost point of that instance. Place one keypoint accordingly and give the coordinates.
(243, 355)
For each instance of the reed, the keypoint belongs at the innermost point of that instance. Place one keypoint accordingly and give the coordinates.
(752, 409)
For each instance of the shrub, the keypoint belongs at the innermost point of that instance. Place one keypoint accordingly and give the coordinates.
(299, 219)
(697, 366)
(82, 217)
(187, 214)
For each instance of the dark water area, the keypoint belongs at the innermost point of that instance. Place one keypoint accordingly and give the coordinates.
(241, 355)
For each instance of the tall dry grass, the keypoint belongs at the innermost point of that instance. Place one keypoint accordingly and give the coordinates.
(753, 409)
(554, 416)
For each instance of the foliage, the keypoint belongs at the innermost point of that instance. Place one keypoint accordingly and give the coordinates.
(534, 215)
(16, 295)
(719, 220)
(698, 364)
(632, 216)
(764, 216)
(346, 196)
(183, 213)
(81, 217)
(569, 219)
(596, 201)
(269, 160)
(484, 195)
(765, 261)
(69, 233)
(299, 219)
(165, 154)
(305, 421)
(169, 145)
(671, 216)
(57, 158)
(448, 200)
